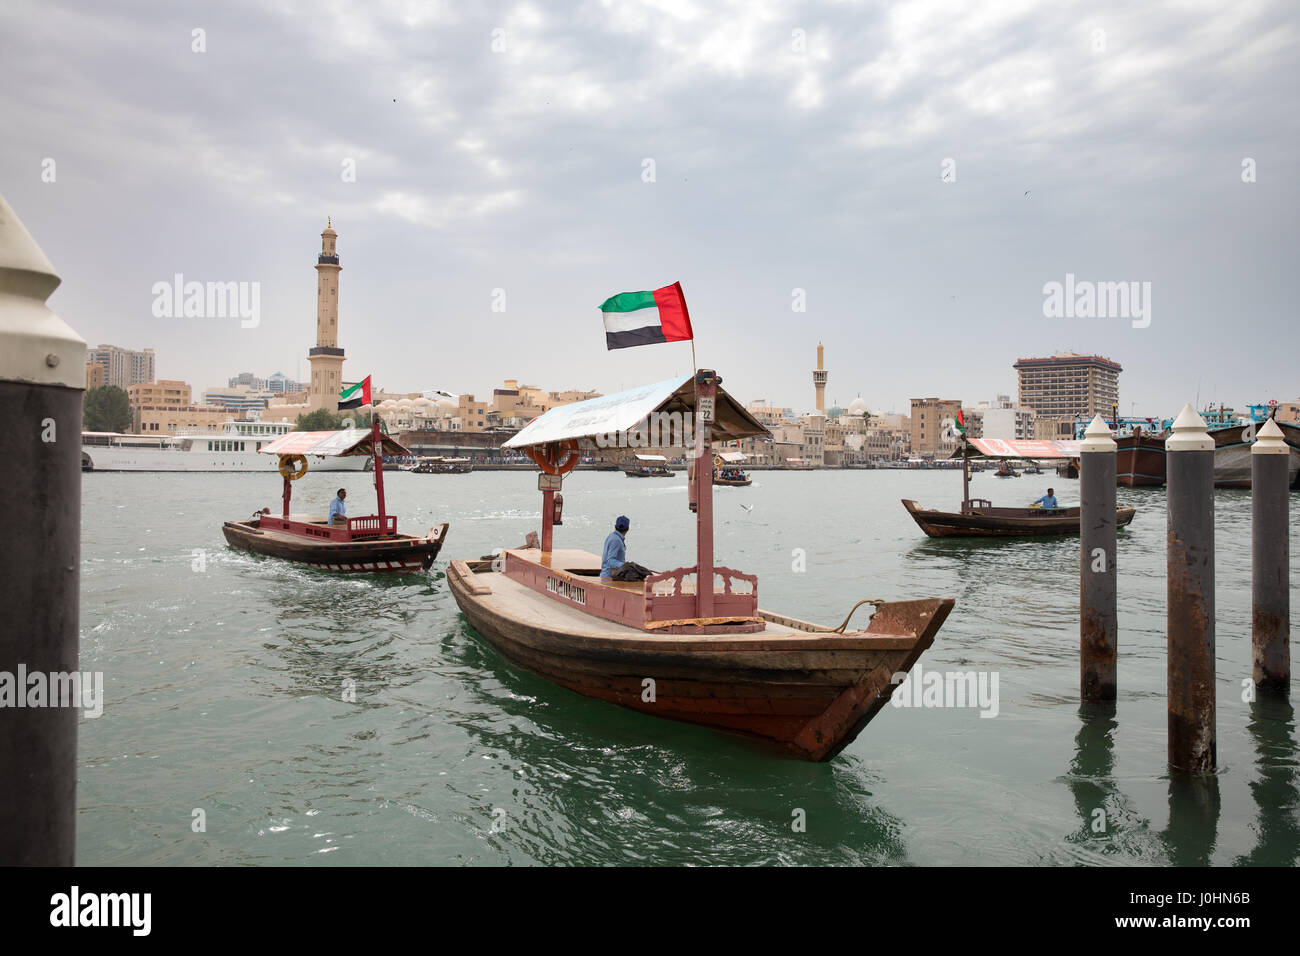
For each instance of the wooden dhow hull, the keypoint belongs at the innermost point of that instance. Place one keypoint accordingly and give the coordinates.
(1140, 461)
(1232, 454)
(808, 690)
(732, 483)
(1002, 522)
(401, 554)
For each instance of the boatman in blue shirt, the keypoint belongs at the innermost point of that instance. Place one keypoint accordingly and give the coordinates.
(615, 555)
(339, 508)
(1048, 500)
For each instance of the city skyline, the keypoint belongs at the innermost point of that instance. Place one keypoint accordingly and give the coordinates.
(914, 193)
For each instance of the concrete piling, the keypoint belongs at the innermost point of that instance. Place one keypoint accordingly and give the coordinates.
(1271, 560)
(1190, 594)
(42, 378)
(1098, 627)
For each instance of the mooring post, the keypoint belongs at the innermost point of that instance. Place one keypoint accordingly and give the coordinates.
(1190, 593)
(42, 378)
(1270, 576)
(1098, 627)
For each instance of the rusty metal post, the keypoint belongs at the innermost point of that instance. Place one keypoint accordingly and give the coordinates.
(42, 378)
(1098, 626)
(1270, 576)
(1190, 594)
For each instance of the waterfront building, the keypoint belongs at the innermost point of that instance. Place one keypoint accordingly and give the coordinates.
(1002, 419)
(240, 398)
(122, 367)
(927, 431)
(95, 377)
(1066, 386)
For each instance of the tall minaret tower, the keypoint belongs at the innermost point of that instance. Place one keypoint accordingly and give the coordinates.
(326, 358)
(819, 380)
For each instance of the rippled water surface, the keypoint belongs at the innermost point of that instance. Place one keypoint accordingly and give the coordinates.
(224, 677)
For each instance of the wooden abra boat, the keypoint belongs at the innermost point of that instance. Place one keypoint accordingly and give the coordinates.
(727, 471)
(979, 519)
(671, 646)
(648, 466)
(369, 543)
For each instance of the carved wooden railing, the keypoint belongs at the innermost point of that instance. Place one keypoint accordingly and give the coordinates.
(670, 595)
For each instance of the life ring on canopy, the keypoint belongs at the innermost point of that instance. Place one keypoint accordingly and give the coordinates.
(288, 464)
(555, 459)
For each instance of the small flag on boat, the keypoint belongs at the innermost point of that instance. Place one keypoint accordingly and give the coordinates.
(355, 396)
(646, 318)
(960, 423)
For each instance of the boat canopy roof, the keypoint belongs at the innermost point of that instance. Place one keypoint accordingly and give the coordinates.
(1019, 448)
(731, 456)
(651, 457)
(609, 416)
(339, 444)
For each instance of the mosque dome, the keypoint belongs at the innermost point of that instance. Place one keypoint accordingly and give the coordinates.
(834, 412)
(857, 407)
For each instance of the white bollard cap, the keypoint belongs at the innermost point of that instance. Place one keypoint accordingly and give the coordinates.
(1269, 441)
(1189, 433)
(35, 344)
(1097, 437)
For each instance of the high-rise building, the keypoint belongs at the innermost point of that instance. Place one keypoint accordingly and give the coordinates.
(122, 367)
(1066, 386)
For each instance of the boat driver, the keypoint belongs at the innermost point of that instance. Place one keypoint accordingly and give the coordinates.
(615, 554)
(1048, 500)
(339, 508)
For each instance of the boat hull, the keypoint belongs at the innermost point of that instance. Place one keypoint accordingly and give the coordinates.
(806, 690)
(726, 483)
(1140, 461)
(1002, 522)
(1232, 454)
(400, 554)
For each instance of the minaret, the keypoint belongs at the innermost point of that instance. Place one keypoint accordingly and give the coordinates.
(819, 380)
(326, 358)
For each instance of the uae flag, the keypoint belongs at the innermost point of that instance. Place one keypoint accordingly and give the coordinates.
(645, 318)
(356, 396)
(960, 422)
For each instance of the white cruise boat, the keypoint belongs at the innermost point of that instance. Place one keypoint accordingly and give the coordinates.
(233, 448)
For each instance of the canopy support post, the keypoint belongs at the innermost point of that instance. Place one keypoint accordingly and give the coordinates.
(288, 493)
(965, 475)
(706, 386)
(548, 520)
(377, 446)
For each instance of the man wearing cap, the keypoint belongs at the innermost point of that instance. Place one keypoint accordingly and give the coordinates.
(615, 555)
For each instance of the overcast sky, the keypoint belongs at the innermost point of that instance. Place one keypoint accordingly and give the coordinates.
(795, 146)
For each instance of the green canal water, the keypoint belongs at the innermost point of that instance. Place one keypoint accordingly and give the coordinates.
(225, 678)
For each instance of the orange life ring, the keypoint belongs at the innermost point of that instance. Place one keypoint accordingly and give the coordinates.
(288, 464)
(555, 459)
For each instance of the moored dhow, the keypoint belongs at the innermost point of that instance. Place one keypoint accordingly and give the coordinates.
(370, 543)
(688, 644)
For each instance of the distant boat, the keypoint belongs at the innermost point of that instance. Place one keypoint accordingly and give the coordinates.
(727, 471)
(234, 447)
(1232, 455)
(978, 518)
(443, 466)
(648, 466)
(1006, 471)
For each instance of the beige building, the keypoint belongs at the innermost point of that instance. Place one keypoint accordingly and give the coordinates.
(169, 419)
(166, 393)
(122, 367)
(95, 376)
(927, 431)
(1066, 386)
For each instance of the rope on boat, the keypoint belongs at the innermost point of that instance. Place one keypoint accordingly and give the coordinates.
(874, 602)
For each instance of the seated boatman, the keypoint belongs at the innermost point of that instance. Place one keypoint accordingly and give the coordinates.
(1048, 500)
(339, 508)
(615, 554)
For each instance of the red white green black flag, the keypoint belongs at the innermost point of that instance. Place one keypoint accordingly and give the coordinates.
(646, 318)
(356, 395)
